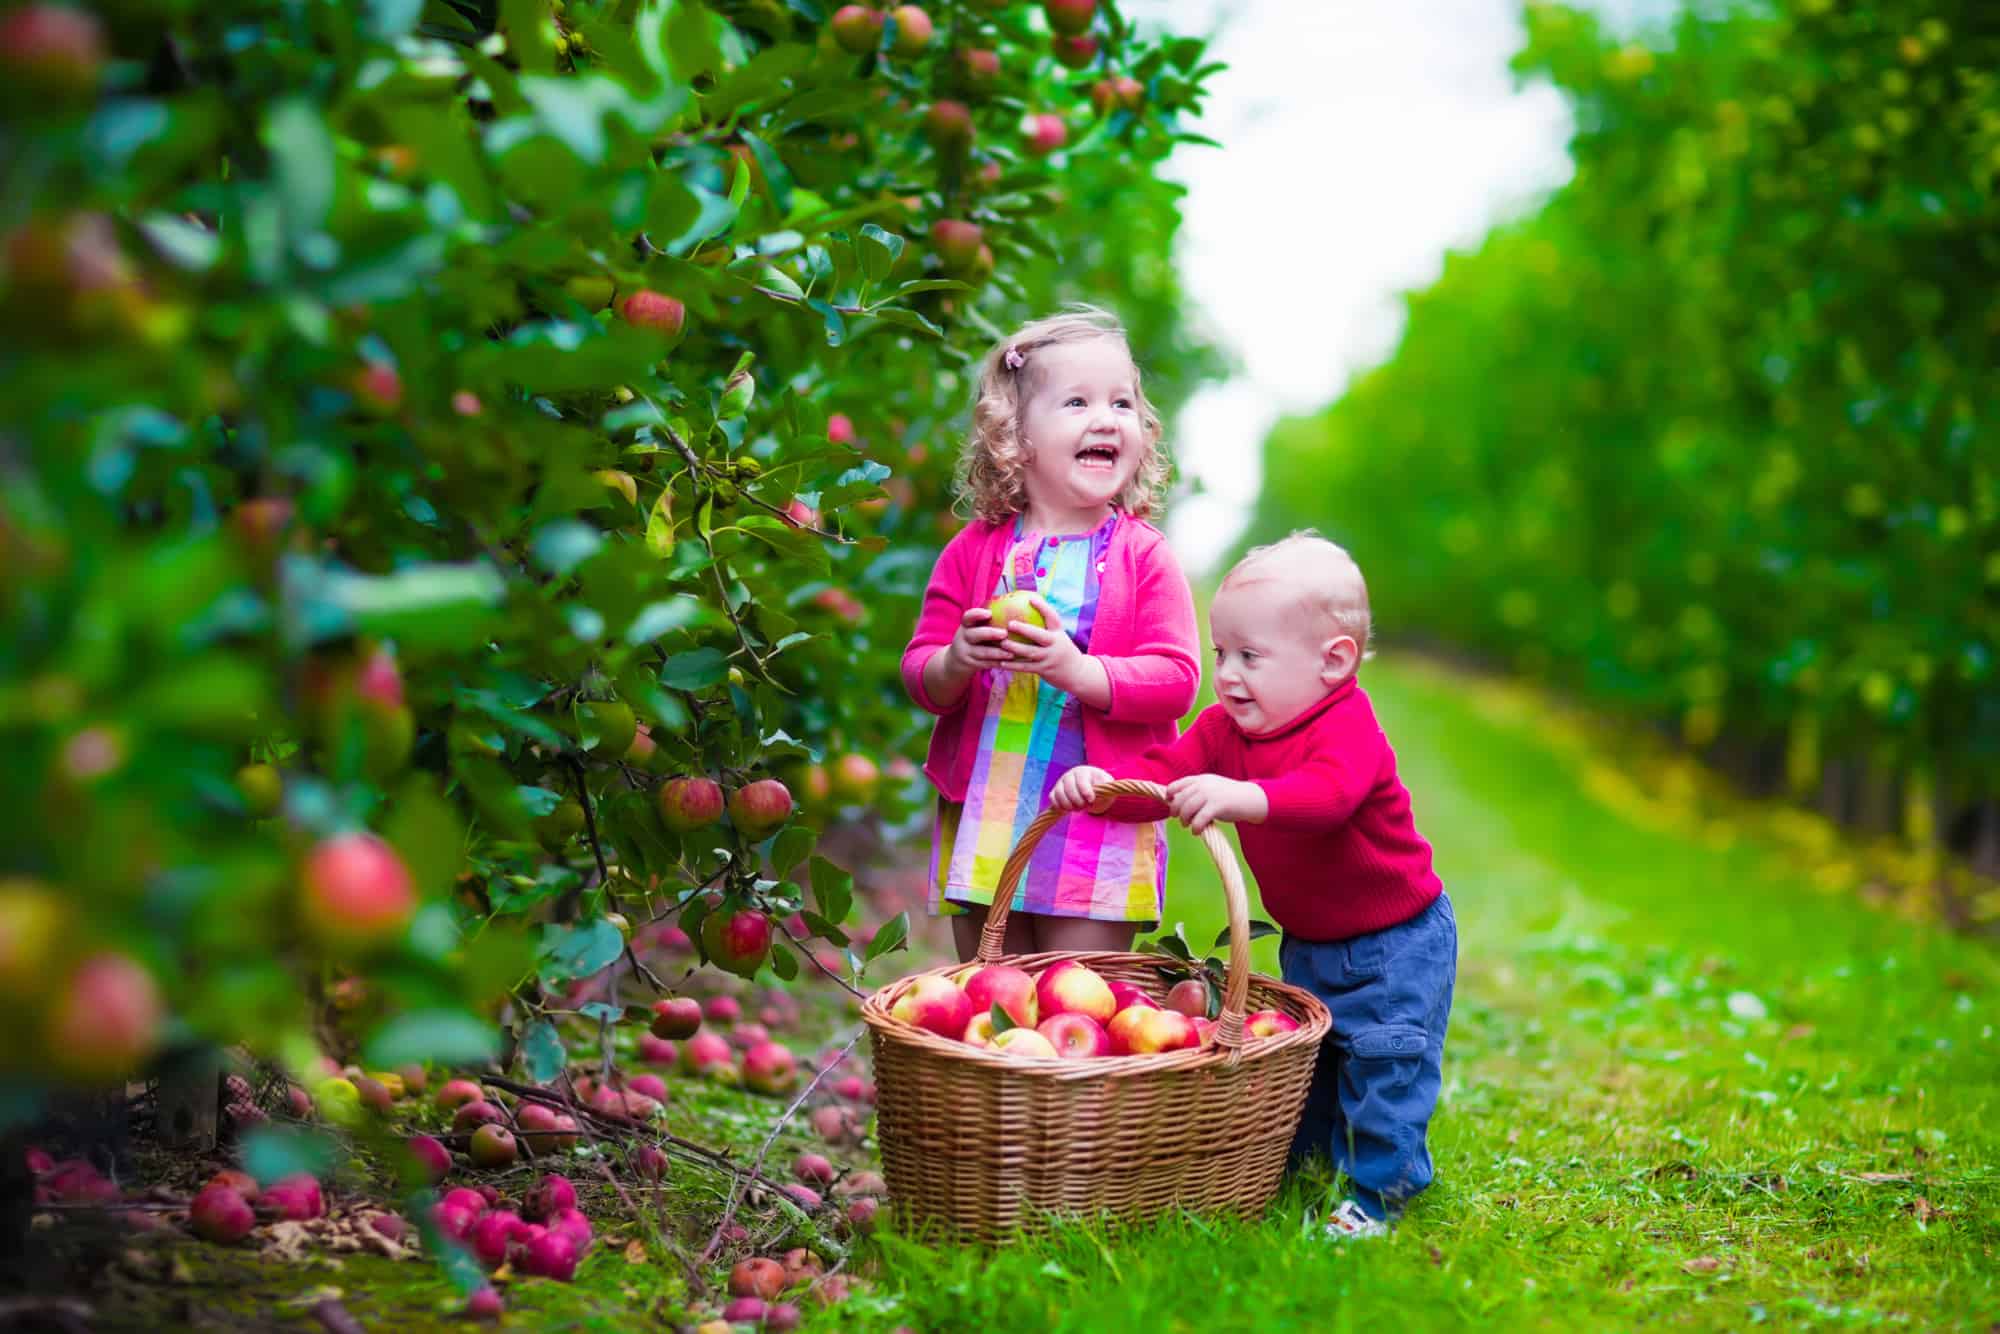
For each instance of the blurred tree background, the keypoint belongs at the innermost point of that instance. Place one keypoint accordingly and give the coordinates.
(1708, 438)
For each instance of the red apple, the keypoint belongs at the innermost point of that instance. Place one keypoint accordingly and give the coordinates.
(933, 1003)
(802, 1266)
(551, 1195)
(770, 1067)
(1023, 1042)
(861, 1211)
(657, 1051)
(758, 809)
(455, 1093)
(1268, 1024)
(1204, 1033)
(535, 1126)
(813, 1168)
(258, 526)
(948, 125)
(1074, 52)
(857, 28)
(484, 1304)
(1045, 133)
(650, 1162)
(651, 1086)
(378, 387)
(492, 1235)
(1190, 997)
(676, 1017)
(355, 891)
(432, 1158)
(104, 1021)
(861, 1183)
(466, 403)
(1124, 994)
(722, 1010)
(1140, 1031)
(51, 52)
(1075, 1036)
(758, 1276)
(1069, 987)
(493, 1146)
(913, 31)
(956, 241)
(745, 1036)
(688, 804)
(472, 1115)
(705, 1052)
(295, 1198)
(221, 1215)
(1069, 15)
(801, 515)
(1012, 989)
(978, 1030)
(737, 942)
(840, 429)
(979, 69)
(647, 309)
(241, 1182)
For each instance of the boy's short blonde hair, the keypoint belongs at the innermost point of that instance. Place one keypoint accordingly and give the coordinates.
(994, 463)
(1326, 579)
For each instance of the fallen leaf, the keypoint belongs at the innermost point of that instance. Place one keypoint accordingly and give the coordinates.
(635, 1252)
(1923, 1209)
(1799, 1032)
(1878, 1177)
(1704, 1264)
(1437, 1256)
(179, 1270)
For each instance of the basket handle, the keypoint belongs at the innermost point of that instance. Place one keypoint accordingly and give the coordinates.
(1236, 989)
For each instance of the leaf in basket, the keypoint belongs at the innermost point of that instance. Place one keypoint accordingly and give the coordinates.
(833, 890)
(1172, 946)
(891, 935)
(1002, 1021)
(1258, 930)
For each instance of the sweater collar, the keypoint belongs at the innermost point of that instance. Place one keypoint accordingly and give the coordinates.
(1312, 714)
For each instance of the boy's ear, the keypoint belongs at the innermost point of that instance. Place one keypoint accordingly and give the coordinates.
(1338, 658)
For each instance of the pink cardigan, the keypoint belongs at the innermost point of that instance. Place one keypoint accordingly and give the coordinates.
(1144, 634)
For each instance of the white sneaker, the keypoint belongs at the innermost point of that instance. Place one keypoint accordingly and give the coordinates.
(1350, 1222)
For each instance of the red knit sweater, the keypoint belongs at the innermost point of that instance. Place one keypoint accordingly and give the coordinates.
(1339, 854)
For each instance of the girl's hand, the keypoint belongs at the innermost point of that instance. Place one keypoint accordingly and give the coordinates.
(978, 644)
(1076, 790)
(1199, 800)
(1047, 651)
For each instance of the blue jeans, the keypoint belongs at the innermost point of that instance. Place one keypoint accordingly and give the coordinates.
(1380, 1068)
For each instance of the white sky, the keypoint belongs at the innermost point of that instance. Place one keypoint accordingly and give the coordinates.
(1361, 140)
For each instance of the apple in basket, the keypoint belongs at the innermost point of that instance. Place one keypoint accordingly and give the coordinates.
(933, 1003)
(1268, 1024)
(1023, 1042)
(1071, 988)
(1140, 1031)
(1075, 1036)
(1126, 995)
(979, 1032)
(1012, 989)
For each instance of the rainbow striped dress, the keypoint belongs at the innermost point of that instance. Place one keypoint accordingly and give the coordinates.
(1086, 866)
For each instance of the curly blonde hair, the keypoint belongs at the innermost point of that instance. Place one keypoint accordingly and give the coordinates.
(993, 464)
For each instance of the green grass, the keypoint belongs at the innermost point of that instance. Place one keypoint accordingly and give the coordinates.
(1683, 1087)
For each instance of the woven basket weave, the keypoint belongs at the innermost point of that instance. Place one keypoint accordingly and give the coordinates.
(977, 1144)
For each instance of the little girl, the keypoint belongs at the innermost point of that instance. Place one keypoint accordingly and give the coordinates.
(1062, 469)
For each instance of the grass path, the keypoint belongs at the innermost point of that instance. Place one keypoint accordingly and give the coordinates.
(1683, 1088)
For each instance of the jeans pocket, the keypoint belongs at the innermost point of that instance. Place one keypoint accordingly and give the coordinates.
(1389, 1057)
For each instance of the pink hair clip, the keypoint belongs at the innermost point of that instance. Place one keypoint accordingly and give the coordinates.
(1013, 359)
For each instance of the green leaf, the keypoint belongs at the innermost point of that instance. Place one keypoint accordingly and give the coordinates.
(696, 669)
(562, 546)
(579, 951)
(833, 890)
(1258, 930)
(880, 249)
(660, 618)
(542, 1053)
(783, 962)
(302, 166)
(425, 828)
(791, 847)
(271, 1152)
(893, 934)
(537, 801)
(418, 605)
(390, 19)
(1172, 946)
(1002, 1021)
(447, 1037)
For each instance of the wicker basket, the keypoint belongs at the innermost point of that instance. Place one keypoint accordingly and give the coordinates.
(977, 1143)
